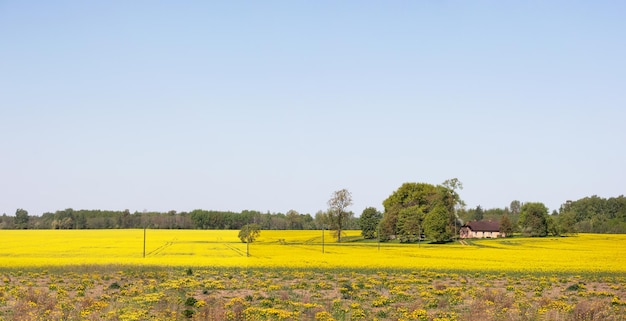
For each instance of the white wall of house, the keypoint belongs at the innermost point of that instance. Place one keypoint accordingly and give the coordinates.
(482, 234)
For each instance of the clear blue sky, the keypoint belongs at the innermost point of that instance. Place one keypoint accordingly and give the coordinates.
(273, 105)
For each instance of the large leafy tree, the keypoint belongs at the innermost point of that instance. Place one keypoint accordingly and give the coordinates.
(534, 219)
(515, 207)
(566, 223)
(409, 224)
(478, 214)
(506, 226)
(436, 224)
(412, 202)
(293, 220)
(21, 218)
(387, 226)
(553, 228)
(368, 222)
(338, 216)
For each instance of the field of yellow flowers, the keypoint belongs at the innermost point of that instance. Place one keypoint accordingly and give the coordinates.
(304, 249)
(293, 275)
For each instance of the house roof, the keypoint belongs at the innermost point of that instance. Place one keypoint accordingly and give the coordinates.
(486, 226)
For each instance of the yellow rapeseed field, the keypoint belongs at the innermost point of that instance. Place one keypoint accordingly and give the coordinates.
(585, 253)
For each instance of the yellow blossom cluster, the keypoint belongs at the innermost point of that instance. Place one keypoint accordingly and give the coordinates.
(584, 253)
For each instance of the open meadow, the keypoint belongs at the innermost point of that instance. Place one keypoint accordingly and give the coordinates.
(292, 275)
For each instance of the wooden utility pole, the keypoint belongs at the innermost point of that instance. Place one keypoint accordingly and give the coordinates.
(419, 236)
(378, 234)
(322, 238)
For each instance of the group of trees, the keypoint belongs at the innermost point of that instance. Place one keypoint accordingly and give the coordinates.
(493, 214)
(95, 219)
(424, 211)
(370, 218)
(414, 211)
(587, 215)
(196, 219)
(594, 215)
(411, 213)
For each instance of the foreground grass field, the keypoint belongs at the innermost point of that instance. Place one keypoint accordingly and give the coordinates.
(300, 294)
(206, 275)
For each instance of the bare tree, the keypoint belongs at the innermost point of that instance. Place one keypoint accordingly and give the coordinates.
(453, 185)
(337, 214)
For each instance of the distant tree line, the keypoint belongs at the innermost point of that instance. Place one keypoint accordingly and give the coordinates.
(196, 219)
(594, 214)
(587, 215)
(413, 212)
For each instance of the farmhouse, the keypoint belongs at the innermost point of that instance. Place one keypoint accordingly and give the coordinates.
(480, 229)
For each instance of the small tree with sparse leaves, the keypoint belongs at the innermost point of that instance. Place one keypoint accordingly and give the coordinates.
(337, 213)
(248, 234)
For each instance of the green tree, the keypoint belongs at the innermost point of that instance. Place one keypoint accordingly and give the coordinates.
(422, 196)
(338, 216)
(321, 219)
(534, 219)
(595, 214)
(248, 234)
(293, 220)
(506, 227)
(553, 228)
(64, 219)
(452, 185)
(566, 223)
(436, 224)
(515, 207)
(81, 221)
(124, 220)
(368, 222)
(409, 224)
(478, 214)
(21, 218)
(387, 226)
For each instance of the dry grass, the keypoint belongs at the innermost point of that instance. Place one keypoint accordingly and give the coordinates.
(232, 294)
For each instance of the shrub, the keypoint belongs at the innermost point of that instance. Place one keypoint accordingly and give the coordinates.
(574, 287)
(188, 313)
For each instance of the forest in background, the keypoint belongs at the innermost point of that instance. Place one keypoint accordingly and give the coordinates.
(587, 215)
(196, 219)
(592, 214)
